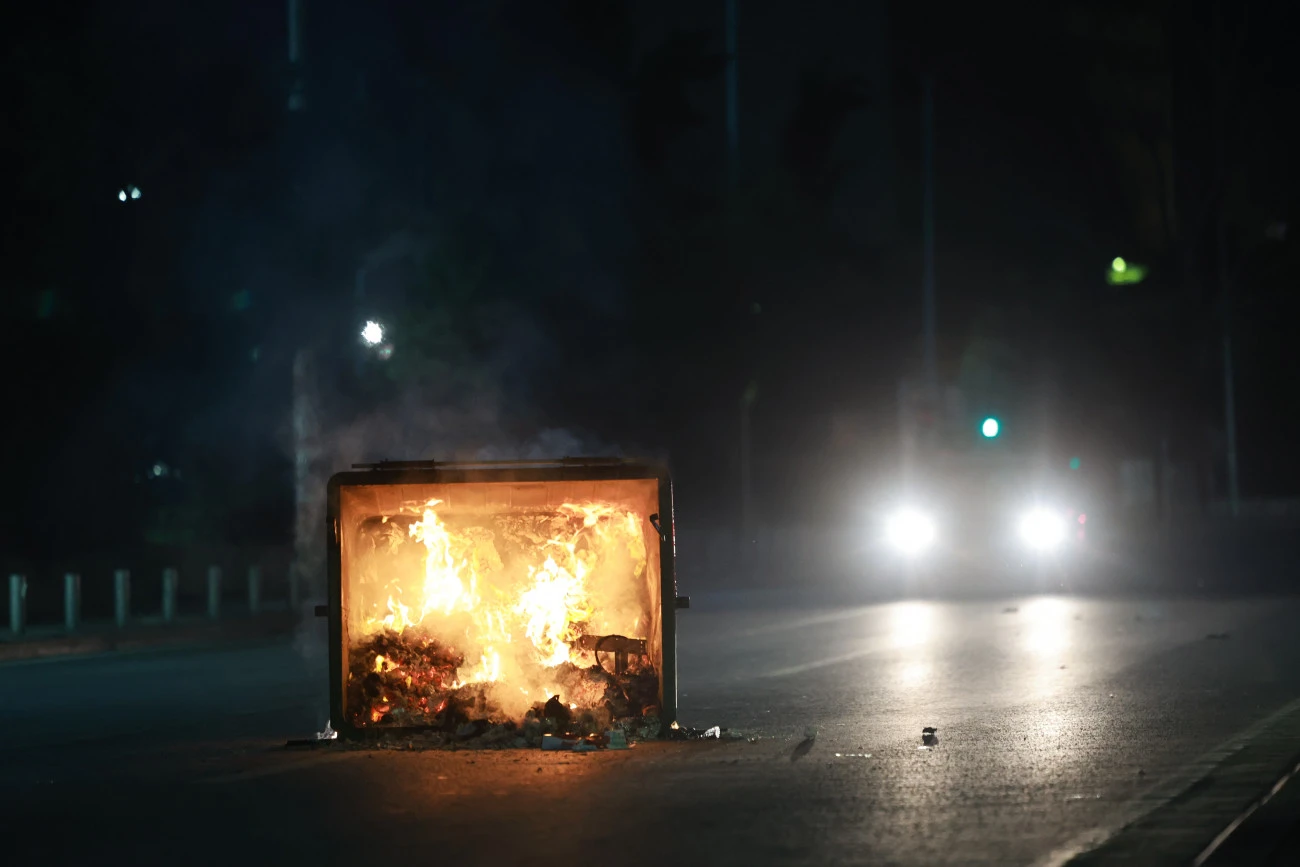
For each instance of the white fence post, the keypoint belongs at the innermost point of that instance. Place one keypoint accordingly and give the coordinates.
(17, 604)
(71, 601)
(170, 580)
(254, 589)
(214, 592)
(121, 596)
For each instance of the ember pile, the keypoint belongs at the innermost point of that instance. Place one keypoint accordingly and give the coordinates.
(410, 679)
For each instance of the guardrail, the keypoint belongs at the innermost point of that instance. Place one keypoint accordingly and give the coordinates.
(166, 604)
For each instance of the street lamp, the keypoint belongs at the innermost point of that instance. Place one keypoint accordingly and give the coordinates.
(372, 334)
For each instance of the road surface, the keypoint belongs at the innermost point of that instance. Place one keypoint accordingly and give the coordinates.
(1059, 721)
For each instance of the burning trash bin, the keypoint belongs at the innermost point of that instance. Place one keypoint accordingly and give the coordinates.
(491, 593)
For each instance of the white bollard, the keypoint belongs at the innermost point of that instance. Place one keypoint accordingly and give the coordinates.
(214, 592)
(17, 604)
(71, 601)
(121, 596)
(170, 581)
(254, 589)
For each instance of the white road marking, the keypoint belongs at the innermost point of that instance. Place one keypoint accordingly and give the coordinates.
(1164, 791)
(1218, 841)
(877, 647)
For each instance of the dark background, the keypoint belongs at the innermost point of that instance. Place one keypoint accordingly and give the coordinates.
(533, 199)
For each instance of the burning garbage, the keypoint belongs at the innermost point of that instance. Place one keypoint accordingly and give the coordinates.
(500, 601)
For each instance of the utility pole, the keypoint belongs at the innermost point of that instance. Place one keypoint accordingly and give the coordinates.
(733, 87)
(297, 96)
(1230, 412)
(750, 394)
(309, 506)
(926, 397)
(1224, 279)
(1229, 378)
(928, 314)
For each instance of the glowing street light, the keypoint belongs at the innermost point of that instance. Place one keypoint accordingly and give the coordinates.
(1125, 273)
(990, 428)
(372, 334)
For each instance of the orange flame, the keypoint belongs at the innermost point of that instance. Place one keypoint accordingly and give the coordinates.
(518, 624)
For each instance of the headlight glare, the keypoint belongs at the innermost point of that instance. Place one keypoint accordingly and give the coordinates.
(910, 532)
(1042, 529)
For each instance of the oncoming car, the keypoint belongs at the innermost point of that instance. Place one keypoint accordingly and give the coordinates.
(971, 519)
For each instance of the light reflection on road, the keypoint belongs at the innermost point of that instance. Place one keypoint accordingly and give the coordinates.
(1047, 621)
(913, 674)
(911, 623)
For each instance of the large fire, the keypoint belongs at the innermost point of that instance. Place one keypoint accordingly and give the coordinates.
(458, 612)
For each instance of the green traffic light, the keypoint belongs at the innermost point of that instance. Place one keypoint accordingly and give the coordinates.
(990, 428)
(1125, 273)
(1075, 463)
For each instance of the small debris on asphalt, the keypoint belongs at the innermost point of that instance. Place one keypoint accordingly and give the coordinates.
(853, 755)
(321, 739)
(1217, 636)
(930, 736)
(804, 746)
(686, 733)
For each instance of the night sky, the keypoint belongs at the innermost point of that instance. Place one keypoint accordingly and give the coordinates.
(533, 199)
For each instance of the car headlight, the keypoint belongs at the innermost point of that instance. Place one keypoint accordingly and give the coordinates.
(910, 532)
(1042, 529)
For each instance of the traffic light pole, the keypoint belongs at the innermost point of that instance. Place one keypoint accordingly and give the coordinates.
(928, 302)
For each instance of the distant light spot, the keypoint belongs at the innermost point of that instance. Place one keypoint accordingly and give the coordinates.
(373, 333)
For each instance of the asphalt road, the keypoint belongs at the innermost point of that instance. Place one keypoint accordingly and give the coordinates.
(1058, 723)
